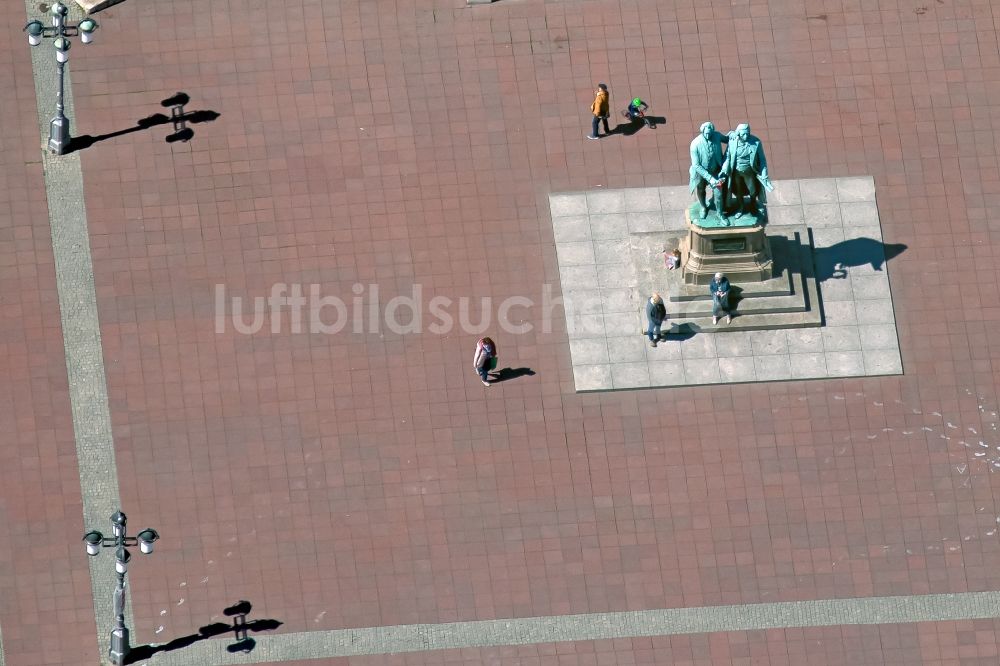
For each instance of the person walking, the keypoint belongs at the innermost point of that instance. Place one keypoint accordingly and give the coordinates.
(485, 359)
(719, 288)
(601, 109)
(656, 313)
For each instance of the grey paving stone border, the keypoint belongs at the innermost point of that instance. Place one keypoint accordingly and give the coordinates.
(592, 626)
(81, 330)
(604, 288)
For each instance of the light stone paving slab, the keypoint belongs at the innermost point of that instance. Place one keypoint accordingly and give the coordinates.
(590, 351)
(883, 362)
(592, 377)
(563, 205)
(702, 370)
(822, 215)
(841, 338)
(611, 276)
(645, 222)
(606, 266)
(845, 364)
(617, 300)
(604, 227)
(589, 627)
(698, 347)
(856, 189)
(606, 201)
(736, 344)
(571, 229)
(641, 199)
(627, 350)
(786, 215)
(810, 364)
(576, 254)
(630, 375)
(859, 214)
(737, 369)
(877, 336)
(611, 251)
(819, 190)
(804, 340)
(675, 198)
(840, 313)
(768, 343)
(875, 311)
(772, 368)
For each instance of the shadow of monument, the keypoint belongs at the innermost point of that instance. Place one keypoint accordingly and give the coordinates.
(833, 261)
(240, 629)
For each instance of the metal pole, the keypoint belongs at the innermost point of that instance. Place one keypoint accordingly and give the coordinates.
(59, 127)
(119, 635)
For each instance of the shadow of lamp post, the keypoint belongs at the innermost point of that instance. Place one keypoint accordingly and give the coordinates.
(60, 31)
(95, 542)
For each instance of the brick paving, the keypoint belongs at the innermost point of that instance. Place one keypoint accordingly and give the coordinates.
(356, 480)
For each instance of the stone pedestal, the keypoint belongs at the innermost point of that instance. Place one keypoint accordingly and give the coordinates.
(740, 250)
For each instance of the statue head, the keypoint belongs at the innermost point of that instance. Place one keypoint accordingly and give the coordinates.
(707, 129)
(743, 131)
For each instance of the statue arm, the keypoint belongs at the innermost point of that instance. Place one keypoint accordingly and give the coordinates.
(725, 160)
(762, 176)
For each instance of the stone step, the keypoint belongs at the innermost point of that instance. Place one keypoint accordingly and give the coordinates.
(787, 260)
(758, 322)
(761, 304)
(748, 314)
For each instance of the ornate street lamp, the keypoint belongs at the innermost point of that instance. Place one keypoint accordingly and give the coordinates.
(95, 543)
(60, 32)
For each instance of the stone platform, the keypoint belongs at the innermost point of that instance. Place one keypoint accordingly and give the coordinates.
(790, 299)
(836, 322)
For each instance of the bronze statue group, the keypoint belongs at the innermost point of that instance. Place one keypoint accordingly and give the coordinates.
(738, 177)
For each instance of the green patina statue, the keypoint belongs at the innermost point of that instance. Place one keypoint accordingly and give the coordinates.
(738, 178)
(743, 168)
(706, 164)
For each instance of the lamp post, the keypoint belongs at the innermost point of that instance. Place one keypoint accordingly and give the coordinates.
(95, 542)
(60, 31)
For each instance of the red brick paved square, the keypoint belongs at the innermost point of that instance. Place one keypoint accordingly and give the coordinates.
(368, 479)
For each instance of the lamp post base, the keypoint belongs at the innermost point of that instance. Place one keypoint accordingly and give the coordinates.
(119, 646)
(59, 135)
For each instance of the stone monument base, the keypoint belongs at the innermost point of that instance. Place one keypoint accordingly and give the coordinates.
(740, 250)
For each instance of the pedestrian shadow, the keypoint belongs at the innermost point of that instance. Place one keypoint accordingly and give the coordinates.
(511, 373)
(179, 118)
(633, 126)
(834, 261)
(240, 629)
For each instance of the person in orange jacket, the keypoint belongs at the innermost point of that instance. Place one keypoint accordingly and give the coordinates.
(601, 111)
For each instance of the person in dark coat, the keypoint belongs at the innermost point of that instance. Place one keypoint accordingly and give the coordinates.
(656, 313)
(719, 288)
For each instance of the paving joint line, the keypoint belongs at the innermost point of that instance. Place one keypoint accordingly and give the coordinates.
(81, 331)
(592, 626)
